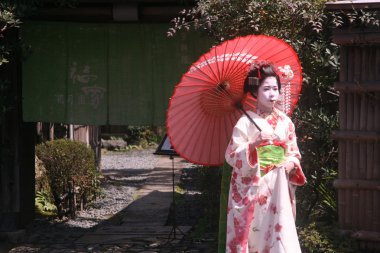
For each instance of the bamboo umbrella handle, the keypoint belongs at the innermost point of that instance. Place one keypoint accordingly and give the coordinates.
(240, 107)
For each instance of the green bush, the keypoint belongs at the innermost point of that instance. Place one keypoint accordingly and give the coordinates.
(71, 170)
(317, 199)
(210, 183)
(143, 136)
(44, 198)
(322, 238)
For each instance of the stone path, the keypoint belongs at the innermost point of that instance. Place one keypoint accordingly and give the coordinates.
(141, 227)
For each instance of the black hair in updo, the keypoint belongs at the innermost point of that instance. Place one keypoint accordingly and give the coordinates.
(257, 74)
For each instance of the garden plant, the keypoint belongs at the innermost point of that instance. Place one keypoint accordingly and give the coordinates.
(72, 174)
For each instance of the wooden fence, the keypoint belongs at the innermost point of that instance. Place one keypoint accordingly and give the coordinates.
(358, 184)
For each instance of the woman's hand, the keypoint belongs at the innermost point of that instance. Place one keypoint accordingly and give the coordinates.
(289, 168)
(263, 136)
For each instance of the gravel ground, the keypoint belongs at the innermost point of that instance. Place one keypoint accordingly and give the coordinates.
(124, 173)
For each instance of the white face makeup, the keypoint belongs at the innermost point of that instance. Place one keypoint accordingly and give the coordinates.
(268, 94)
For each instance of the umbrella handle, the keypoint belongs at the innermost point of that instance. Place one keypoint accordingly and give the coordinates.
(240, 107)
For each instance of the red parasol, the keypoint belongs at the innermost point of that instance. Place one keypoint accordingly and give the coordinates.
(204, 106)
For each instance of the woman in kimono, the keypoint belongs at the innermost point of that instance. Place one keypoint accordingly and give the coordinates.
(265, 172)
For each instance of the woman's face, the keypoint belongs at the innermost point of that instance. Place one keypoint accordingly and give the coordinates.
(267, 94)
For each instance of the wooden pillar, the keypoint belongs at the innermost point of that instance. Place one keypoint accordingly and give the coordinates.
(51, 131)
(17, 140)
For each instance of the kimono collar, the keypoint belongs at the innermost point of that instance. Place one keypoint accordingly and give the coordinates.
(265, 115)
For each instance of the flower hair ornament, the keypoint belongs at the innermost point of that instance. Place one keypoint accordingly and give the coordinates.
(286, 72)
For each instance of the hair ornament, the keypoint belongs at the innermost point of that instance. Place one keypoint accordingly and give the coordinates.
(286, 72)
(257, 65)
(253, 81)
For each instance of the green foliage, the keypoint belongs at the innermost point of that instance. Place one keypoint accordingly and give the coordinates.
(42, 181)
(143, 136)
(44, 198)
(133, 137)
(44, 205)
(290, 20)
(11, 14)
(8, 21)
(317, 199)
(69, 164)
(356, 18)
(209, 186)
(324, 239)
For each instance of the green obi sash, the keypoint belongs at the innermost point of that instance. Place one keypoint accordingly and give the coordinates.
(270, 156)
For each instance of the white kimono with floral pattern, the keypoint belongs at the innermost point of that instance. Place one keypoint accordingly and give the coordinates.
(261, 207)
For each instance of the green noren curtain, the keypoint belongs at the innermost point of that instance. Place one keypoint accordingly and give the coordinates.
(97, 74)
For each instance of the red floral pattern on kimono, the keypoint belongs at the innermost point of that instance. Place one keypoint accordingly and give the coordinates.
(261, 208)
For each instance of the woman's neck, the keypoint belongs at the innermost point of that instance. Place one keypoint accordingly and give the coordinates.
(263, 109)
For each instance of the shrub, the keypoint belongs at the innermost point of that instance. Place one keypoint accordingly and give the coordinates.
(44, 198)
(317, 199)
(206, 181)
(143, 136)
(71, 170)
(210, 183)
(42, 181)
(320, 238)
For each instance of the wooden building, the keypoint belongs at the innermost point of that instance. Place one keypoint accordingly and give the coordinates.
(358, 182)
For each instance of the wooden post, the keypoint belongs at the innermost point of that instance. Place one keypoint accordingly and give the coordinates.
(17, 140)
(51, 131)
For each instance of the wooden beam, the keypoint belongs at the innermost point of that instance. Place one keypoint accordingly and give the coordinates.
(349, 5)
(98, 13)
(160, 13)
(356, 184)
(138, 1)
(114, 11)
(357, 86)
(362, 235)
(352, 36)
(356, 135)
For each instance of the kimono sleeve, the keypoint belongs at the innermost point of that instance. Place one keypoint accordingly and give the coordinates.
(293, 155)
(238, 151)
